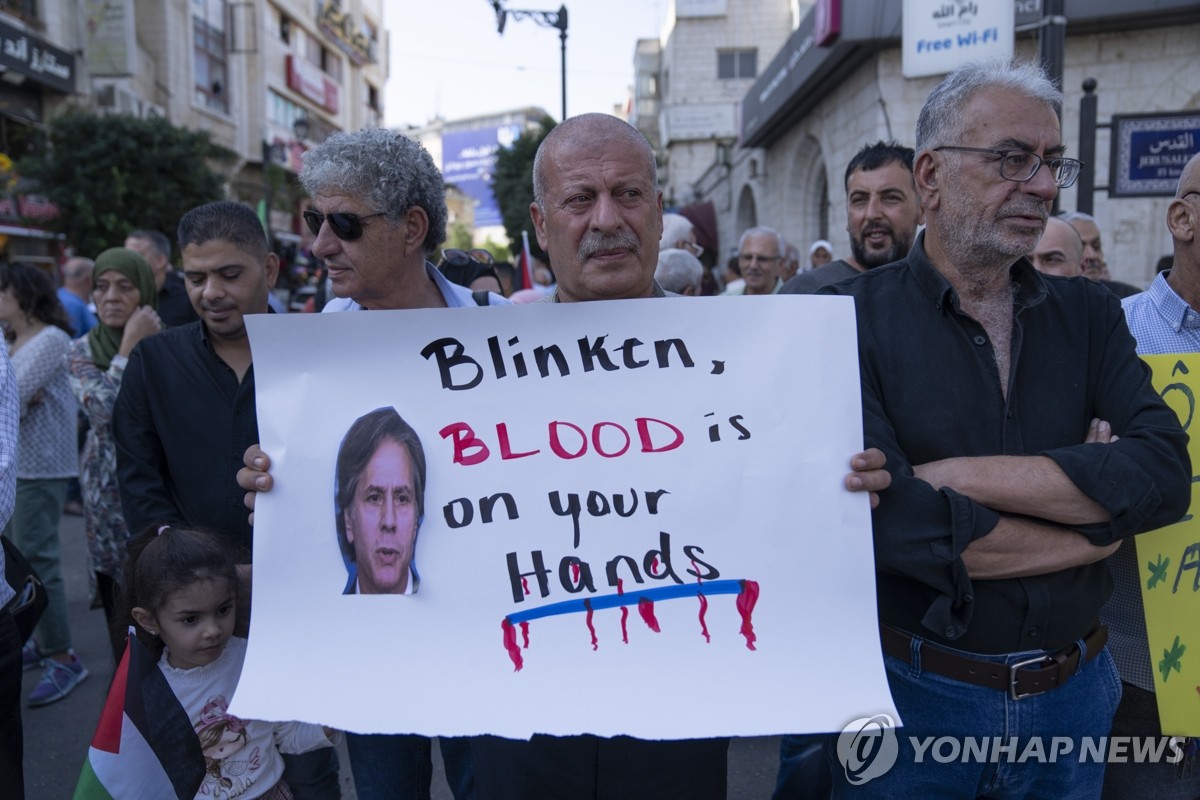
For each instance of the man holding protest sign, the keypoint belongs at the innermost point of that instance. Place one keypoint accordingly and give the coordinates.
(598, 212)
(379, 210)
(1009, 490)
(1164, 319)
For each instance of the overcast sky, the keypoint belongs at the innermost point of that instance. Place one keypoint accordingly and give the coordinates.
(448, 60)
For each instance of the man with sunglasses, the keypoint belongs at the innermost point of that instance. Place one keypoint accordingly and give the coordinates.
(378, 211)
(1025, 442)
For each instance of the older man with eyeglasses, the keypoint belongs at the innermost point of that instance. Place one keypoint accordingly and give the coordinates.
(1025, 443)
(760, 252)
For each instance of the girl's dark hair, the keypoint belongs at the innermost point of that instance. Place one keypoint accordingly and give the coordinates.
(162, 563)
(35, 294)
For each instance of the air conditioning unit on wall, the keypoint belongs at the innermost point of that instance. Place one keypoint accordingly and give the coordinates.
(118, 100)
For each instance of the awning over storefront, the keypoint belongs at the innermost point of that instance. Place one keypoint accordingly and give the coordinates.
(803, 74)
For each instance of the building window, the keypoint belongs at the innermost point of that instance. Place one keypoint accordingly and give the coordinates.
(318, 55)
(371, 31)
(209, 59)
(285, 28)
(331, 64)
(736, 64)
(283, 113)
(24, 9)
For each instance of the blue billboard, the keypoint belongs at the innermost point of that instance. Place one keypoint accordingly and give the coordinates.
(468, 158)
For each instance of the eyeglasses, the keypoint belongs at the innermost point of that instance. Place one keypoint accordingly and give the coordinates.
(750, 258)
(695, 248)
(1193, 191)
(461, 258)
(1020, 166)
(346, 227)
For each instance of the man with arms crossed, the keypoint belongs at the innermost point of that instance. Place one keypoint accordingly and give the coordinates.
(1010, 486)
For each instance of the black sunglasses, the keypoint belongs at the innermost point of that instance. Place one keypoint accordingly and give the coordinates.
(461, 258)
(346, 227)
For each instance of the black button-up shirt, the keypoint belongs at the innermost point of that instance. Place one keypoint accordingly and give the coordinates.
(182, 422)
(931, 390)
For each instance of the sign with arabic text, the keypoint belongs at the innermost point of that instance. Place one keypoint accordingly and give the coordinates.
(620, 517)
(38, 60)
(1169, 568)
(1149, 152)
(939, 36)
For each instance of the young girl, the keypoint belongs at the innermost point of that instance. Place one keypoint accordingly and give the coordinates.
(181, 588)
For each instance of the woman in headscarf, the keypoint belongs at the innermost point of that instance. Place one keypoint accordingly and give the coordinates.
(126, 300)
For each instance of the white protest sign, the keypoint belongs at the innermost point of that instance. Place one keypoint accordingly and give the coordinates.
(634, 522)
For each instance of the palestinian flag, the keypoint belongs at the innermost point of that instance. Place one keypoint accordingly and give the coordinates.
(144, 745)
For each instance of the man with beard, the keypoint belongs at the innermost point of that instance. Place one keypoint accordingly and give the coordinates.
(1025, 442)
(882, 215)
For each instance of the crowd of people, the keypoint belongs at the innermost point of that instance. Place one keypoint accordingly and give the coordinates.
(1006, 492)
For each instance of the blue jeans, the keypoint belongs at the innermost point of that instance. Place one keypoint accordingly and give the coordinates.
(932, 706)
(34, 530)
(400, 767)
(803, 769)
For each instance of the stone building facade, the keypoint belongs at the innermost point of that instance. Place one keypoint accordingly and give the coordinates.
(788, 170)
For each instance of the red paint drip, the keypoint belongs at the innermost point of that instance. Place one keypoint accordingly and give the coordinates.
(746, 600)
(591, 628)
(703, 624)
(654, 566)
(624, 613)
(525, 584)
(525, 635)
(646, 609)
(575, 572)
(696, 570)
(510, 644)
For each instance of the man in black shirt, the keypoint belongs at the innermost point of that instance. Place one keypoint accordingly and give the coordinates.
(882, 216)
(174, 307)
(1025, 442)
(185, 412)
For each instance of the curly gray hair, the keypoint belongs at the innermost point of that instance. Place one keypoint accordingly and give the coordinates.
(388, 170)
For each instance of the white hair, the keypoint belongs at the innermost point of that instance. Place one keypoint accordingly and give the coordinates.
(676, 229)
(678, 270)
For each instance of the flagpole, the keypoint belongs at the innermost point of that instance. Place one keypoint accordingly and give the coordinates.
(526, 262)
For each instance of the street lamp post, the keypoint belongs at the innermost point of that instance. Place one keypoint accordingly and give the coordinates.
(547, 19)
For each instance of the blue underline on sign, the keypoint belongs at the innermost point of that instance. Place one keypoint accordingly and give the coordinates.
(733, 586)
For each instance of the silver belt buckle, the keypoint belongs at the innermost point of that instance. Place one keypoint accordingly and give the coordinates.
(1012, 676)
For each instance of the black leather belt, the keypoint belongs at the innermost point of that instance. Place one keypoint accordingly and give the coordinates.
(1022, 679)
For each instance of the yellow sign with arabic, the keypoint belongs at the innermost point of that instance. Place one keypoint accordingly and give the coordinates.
(1169, 568)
